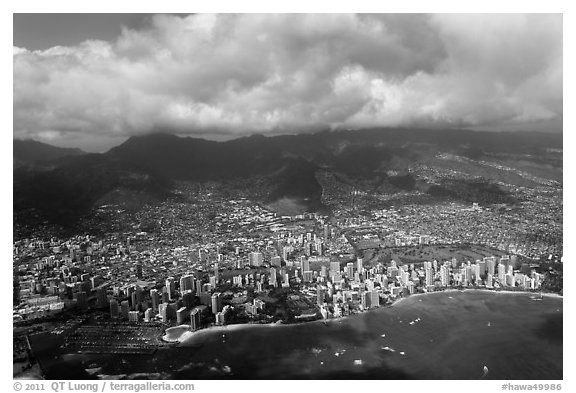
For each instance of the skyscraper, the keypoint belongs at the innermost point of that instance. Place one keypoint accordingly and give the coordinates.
(444, 275)
(216, 302)
(350, 270)
(429, 276)
(155, 297)
(134, 316)
(366, 300)
(186, 283)
(125, 309)
(195, 319)
(502, 274)
(101, 297)
(320, 296)
(170, 287)
(272, 277)
(188, 299)
(374, 298)
(163, 311)
(148, 315)
(81, 300)
(181, 315)
(114, 312)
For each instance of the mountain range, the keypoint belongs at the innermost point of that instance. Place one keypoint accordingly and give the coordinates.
(59, 185)
(30, 152)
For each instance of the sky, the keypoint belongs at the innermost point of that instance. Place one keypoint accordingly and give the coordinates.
(93, 80)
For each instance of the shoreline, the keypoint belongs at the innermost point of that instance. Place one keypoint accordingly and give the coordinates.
(188, 336)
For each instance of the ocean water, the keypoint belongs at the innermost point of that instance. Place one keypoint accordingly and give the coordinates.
(445, 335)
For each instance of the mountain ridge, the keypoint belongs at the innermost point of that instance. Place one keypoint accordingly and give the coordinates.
(32, 152)
(299, 167)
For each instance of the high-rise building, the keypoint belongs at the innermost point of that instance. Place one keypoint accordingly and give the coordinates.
(482, 268)
(195, 319)
(134, 316)
(148, 315)
(216, 273)
(216, 302)
(163, 311)
(374, 298)
(350, 270)
(220, 318)
(272, 277)
(186, 283)
(429, 276)
(489, 280)
(502, 274)
(320, 296)
(114, 312)
(125, 309)
(155, 297)
(188, 299)
(490, 266)
(307, 249)
(304, 264)
(136, 298)
(181, 315)
(286, 251)
(476, 273)
(366, 300)
(101, 297)
(360, 265)
(505, 260)
(170, 286)
(444, 276)
(81, 300)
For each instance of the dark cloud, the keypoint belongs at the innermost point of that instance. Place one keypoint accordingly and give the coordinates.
(238, 74)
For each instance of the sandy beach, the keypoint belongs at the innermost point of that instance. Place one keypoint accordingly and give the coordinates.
(182, 335)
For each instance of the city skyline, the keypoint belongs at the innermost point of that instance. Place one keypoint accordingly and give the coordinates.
(288, 197)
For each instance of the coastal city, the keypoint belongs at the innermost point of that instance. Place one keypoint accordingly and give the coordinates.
(220, 262)
(264, 197)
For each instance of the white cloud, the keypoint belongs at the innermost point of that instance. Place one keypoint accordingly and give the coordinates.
(238, 74)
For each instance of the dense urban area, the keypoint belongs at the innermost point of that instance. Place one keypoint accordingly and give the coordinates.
(211, 260)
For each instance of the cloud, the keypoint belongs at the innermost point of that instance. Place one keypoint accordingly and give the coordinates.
(239, 74)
